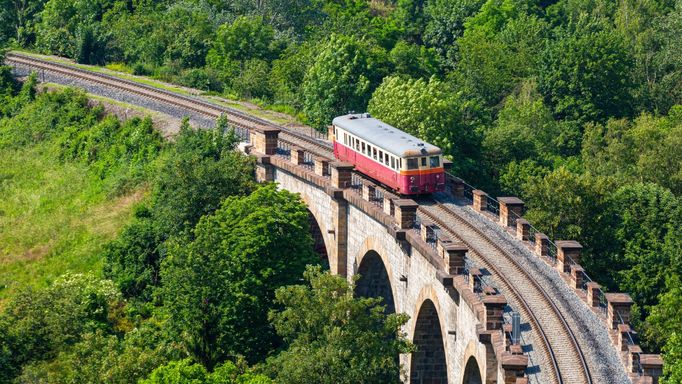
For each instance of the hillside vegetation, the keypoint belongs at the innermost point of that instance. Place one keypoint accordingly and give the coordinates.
(575, 106)
(131, 259)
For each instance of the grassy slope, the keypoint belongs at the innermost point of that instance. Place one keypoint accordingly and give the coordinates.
(53, 218)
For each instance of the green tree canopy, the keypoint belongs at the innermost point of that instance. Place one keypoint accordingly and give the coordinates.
(341, 79)
(333, 337)
(219, 287)
(586, 74)
(432, 111)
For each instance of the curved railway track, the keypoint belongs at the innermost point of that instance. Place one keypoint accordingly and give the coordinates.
(556, 340)
(194, 104)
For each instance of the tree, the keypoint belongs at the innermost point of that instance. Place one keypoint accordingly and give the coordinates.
(496, 53)
(202, 169)
(219, 287)
(563, 203)
(585, 75)
(414, 60)
(343, 76)
(672, 369)
(526, 129)
(42, 323)
(333, 337)
(432, 111)
(186, 372)
(648, 215)
(445, 24)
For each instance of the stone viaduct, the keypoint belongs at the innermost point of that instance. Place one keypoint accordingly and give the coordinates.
(422, 266)
(455, 323)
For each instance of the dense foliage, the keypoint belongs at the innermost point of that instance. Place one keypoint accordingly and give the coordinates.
(572, 105)
(333, 337)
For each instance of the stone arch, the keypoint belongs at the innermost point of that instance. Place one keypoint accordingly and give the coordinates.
(472, 372)
(318, 230)
(373, 244)
(428, 363)
(374, 280)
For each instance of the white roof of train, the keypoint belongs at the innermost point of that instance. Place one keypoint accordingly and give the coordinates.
(385, 136)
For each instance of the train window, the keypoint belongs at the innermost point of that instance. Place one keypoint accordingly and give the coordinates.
(381, 156)
(386, 158)
(392, 162)
(363, 147)
(423, 161)
(435, 161)
(413, 163)
(374, 153)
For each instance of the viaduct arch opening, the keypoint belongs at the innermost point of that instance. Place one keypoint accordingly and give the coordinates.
(428, 364)
(472, 373)
(374, 280)
(318, 240)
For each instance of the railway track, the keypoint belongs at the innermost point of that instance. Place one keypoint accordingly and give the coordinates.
(553, 336)
(236, 118)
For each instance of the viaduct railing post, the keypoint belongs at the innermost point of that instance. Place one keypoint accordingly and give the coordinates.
(405, 212)
(341, 174)
(522, 229)
(321, 166)
(619, 306)
(265, 140)
(297, 155)
(480, 200)
(568, 252)
(510, 209)
(541, 244)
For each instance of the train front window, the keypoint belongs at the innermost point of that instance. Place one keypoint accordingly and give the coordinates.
(435, 161)
(423, 161)
(413, 163)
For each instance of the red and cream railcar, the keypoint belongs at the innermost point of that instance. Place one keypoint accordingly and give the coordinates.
(388, 155)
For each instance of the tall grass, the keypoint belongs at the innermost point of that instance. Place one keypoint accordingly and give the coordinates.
(69, 180)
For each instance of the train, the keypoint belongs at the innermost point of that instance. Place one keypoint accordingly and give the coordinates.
(394, 158)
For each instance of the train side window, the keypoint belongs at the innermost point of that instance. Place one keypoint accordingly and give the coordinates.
(435, 161)
(381, 156)
(423, 161)
(386, 158)
(392, 162)
(413, 163)
(374, 153)
(363, 147)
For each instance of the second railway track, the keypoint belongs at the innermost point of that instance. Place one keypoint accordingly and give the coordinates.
(553, 334)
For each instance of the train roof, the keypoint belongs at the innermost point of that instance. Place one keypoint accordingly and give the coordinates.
(385, 136)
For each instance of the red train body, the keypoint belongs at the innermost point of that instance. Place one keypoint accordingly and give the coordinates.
(388, 155)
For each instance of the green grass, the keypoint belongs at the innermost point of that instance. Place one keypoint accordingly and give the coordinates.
(54, 218)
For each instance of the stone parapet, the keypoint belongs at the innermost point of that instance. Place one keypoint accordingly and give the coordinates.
(494, 311)
(652, 366)
(541, 245)
(265, 140)
(321, 166)
(593, 293)
(368, 191)
(480, 200)
(510, 209)
(568, 252)
(405, 212)
(522, 229)
(297, 155)
(577, 276)
(341, 174)
(619, 308)
(454, 255)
